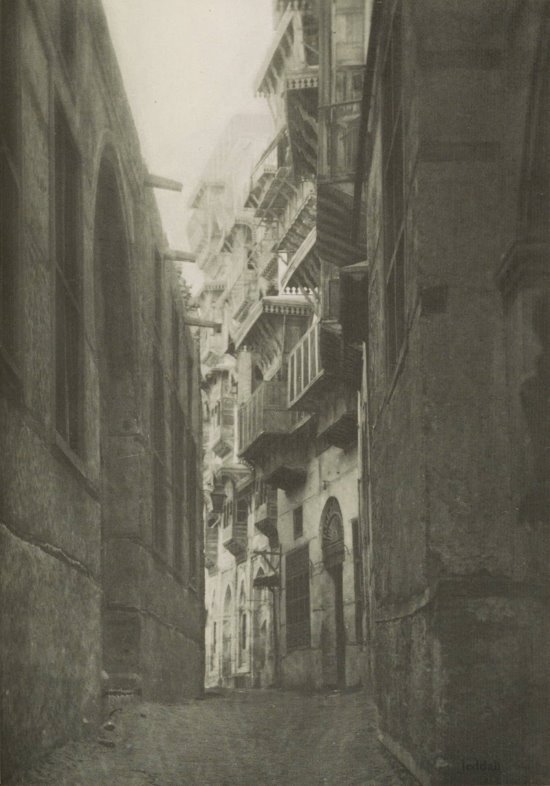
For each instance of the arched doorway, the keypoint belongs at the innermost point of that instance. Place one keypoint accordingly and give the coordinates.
(333, 630)
(227, 634)
(119, 444)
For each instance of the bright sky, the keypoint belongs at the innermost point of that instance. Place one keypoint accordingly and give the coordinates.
(188, 67)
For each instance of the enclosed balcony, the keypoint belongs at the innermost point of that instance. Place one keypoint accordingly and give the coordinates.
(340, 135)
(264, 418)
(222, 427)
(265, 510)
(319, 362)
(314, 365)
(235, 527)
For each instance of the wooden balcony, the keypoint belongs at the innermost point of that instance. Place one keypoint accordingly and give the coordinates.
(320, 361)
(337, 422)
(265, 513)
(235, 528)
(339, 140)
(265, 417)
(339, 126)
(222, 427)
(234, 539)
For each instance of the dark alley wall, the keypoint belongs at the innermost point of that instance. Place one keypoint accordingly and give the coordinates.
(101, 574)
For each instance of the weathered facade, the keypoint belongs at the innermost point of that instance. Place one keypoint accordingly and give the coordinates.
(239, 636)
(453, 177)
(296, 385)
(101, 566)
(310, 455)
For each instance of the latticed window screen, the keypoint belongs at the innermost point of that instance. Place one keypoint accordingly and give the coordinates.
(68, 286)
(393, 193)
(297, 599)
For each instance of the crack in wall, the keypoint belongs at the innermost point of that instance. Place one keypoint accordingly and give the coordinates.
(52, 551)
(154, 616)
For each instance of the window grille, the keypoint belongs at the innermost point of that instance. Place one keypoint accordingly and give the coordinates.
(297, 599)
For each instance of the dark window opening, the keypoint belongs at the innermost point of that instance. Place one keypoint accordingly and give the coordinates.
(297, 599)
(68, 287)
(393, 195)
(243, 637)
(242, 512)
(298, 521)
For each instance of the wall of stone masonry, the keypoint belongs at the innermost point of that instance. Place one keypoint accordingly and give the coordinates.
(461, 624)
(53, 581)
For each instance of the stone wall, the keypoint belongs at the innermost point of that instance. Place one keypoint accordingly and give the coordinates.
(461, 627)
(82, 587)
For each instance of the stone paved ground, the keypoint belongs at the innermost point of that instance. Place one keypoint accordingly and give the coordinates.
(245, 738)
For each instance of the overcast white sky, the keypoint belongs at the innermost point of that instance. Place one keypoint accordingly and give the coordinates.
(188, 67)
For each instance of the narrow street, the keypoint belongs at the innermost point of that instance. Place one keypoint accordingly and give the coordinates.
(242, 737)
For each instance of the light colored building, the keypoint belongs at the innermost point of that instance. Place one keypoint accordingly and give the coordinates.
(239, 628)
(299, 429)
(288, 485)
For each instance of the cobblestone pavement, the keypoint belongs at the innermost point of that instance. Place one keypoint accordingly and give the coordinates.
(245, 738)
